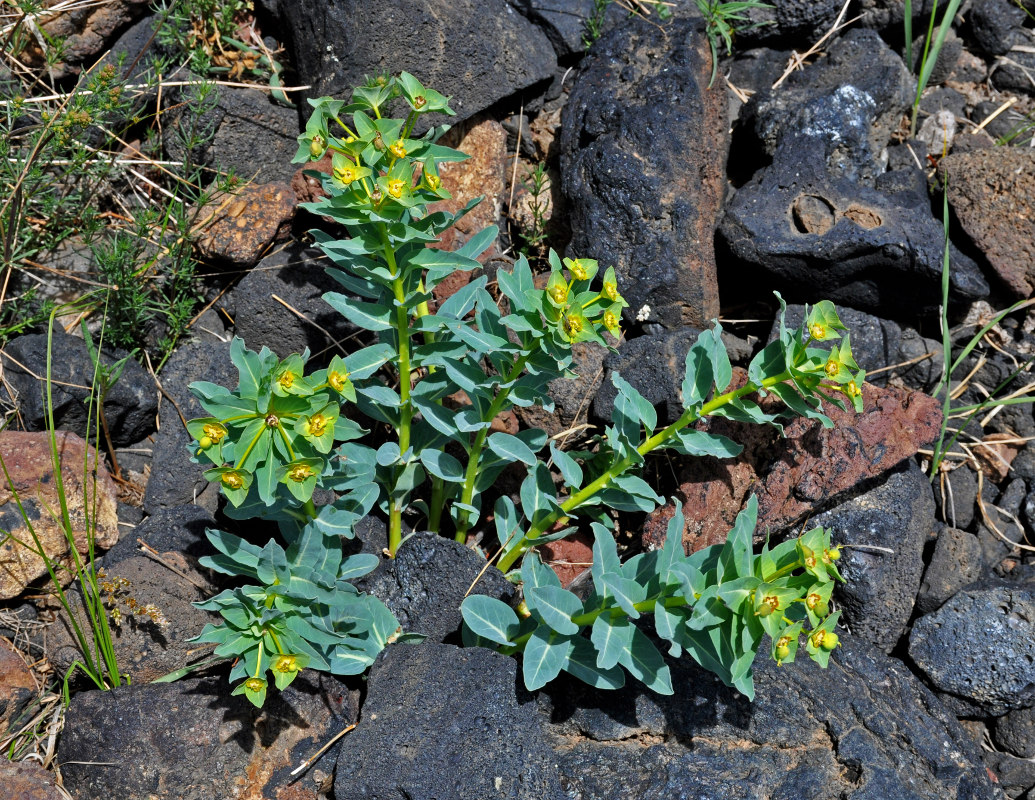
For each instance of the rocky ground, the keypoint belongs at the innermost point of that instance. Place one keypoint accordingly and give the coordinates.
(796, 173)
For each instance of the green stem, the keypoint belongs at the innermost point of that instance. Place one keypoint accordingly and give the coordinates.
(402, 326)
(474, 454)
(438, 501)
(619, 467)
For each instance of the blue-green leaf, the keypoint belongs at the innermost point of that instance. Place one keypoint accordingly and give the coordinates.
(625, 591)
(490, 618)
(442, 465)
(554, 607)
(702, 443)
(568, 466)
(369, 316)
(545, 655)
(582, 663)
(612, 637)
(646, 664)
(511, 448)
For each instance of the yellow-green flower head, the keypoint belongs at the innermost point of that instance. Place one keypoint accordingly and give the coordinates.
(577, 268)
(337, 380)
(255, 684)
(817, 330)
(573, 325)
(316, 425)
(833, 365)
(286, 663)
(214, 433)
(433, 181)
(396, 186)
(398, 148)
(419, 102)
(559, 293)
(286, 379)
(232, 479)
(299, 473)
(345, 174)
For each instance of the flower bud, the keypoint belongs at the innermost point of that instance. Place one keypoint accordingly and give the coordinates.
(317, 146)
(830, 641)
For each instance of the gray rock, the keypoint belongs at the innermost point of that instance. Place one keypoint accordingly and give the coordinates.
(956, 493)
(863, 729)
(174, 480)
(297, 276)
(846, 105)
(192, 740)
(1015, 775)
(643, 144)
(445, 723)
(564, 21)
(1014, 74)
(180, 529)
(477, 51)
(130, 405)
(957, 561)
(245, 131)
(980, 646)
(881, 587)
(999, 528)
(789, 21)
(146, 646)
(993, 25)
(1015, 732)
(655, 365)
(812, 219)
(428, 579)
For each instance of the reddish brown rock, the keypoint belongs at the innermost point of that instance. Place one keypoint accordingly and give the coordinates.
(237, 229)
(992, 193)
(86, 30)
(569, 557)
(17, 687)
(484, 175)
(795, 476)
(27, 780)
(91, 506)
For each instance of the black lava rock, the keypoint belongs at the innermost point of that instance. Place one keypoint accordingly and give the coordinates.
(130, 405)
(428, 579)
(441, 722)
(980, 646)
(880, 587)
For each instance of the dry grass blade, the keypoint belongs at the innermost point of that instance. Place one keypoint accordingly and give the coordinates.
(993, 527)
(797, 60)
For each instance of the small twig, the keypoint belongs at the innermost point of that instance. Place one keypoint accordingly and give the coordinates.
(995, 113)
(312, 759)
(798, 60)
(150, 552)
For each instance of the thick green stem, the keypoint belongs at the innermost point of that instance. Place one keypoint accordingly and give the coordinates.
(619, 467)
(402, 330)
(438, 501)
(474, 454)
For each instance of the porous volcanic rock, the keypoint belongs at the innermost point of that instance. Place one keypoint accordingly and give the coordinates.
(130, 404)
(992, 194)
(428, 579)
(476, 51)
(806, 470)
(28, 780)
(863, 729)
(192, 740)
(885, 529)
(445, 722)
(643, 147)
(957, 560)
(816, 220)
(91, 506)
(980, 646)
(237, 228)
(17, 688)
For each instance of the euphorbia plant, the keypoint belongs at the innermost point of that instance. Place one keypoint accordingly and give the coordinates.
(287, 430)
